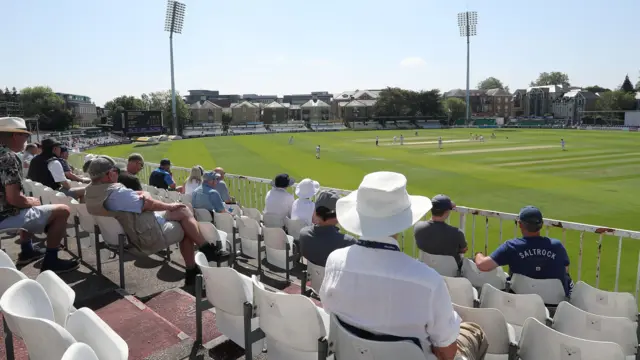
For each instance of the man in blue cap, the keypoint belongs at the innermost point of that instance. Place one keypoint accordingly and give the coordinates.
(531, 255)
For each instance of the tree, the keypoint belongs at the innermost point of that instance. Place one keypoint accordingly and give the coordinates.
(146, 102)
(39, 100)
(616, 101)
(552, 78)
(455, 108)
(56, 120)
(396, 102)
(490, 83)
(14, 94)
(596, 89)
(627, 86)
(6, 96)
(124, 102)
(161, 100)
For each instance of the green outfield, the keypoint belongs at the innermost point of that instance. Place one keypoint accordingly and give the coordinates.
(596, 181)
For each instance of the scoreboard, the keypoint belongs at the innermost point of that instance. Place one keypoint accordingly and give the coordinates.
(134, 122)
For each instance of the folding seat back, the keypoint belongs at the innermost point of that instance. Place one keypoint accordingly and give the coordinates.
(249, 231)
(29, 315)
(80, 351)
(445, 265)
(575, 322)
(497, 277)
(276, 241)
(110, 229)
(224, 222)
(461, 291)
(187, 198)
(46, 195)
(86, 327)
(202, 215)
(273, 220)
(542, 342)
(316, 273)
(550, 290)
(292, 323)
(605, 303)
(346, 345)
(60, 295)
(253, 213)
(499, 333)
(87, 221)
(9, 276)
(294, 227)
(238, 289)
(213, 235)
(516, 307)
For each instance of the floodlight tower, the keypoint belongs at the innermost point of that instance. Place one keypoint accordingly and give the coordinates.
(173, 24)
(467, 22)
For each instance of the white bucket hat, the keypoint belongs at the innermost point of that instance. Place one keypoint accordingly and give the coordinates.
(13, 125)
(307, 188)
(381, 206)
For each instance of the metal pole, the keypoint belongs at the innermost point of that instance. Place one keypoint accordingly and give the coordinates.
(173, 82)
(468, 114)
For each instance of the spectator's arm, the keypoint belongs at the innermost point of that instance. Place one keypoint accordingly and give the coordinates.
(499, 257)
(216, 201)
(71, 176)
(16, 198)
(55, 168)
(125, 200)
(462, 242)
(151, 204)
(169, 180)
(444, 325)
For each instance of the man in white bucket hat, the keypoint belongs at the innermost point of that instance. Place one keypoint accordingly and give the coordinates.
(377, 291)
(303, 207)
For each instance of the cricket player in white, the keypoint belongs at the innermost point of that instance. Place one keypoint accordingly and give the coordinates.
(440, 142)
(318, 152)
(401, 139)
(562, 144)
(377, 138)
(394, 140)
(291, 140)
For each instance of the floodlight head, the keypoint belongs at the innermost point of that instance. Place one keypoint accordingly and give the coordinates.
(175, 17)
(467, 22)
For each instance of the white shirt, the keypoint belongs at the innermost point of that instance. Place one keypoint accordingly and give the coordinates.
(388, 292)
(278, 201)
(317, 149)
(55, 168)
(190, 186)
(303, 209)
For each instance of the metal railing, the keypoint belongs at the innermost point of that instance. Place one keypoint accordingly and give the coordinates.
(592, 249)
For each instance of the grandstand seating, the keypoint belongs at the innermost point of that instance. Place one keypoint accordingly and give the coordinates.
(328, 127)
(595, 324)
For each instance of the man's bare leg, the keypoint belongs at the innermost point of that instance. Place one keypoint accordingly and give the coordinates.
(188, 253)
(188, 223)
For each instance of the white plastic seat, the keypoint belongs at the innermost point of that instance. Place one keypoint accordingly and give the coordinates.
(173, 196)
(238, 289)
(253, 213)
(346, 345)
(445, 265)
(500, 335)
(86, 327)
(550, 290)
(516, 307)
(80, 351)
(249, 231)
(187, 198)
(60, 295)
(575, 322)
(9, 276)
(540, 342)
(236, 210)
(605, 303)
(202, 215)
(497, 277)
(461, 291)
(294, 227)
(46, 194)
(30, 316)
(213, 235)
(224, 222)
(87, 221)
(276, 241)
(316, 275)
(5, 261)
(110, 229)
(292, 323)
(273, 220)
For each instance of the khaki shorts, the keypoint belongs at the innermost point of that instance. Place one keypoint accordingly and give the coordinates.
(171, 229)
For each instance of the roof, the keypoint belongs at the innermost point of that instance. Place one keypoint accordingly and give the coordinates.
(355, 104)
(314, 103)
(549, 88)
(206, 104)
(372, 93)
(498, 92)
(243, 104)
(463, 93)
(586, 94)
(275, 105)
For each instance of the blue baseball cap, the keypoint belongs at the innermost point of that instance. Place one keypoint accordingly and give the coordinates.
(210, 175)
(530, 215)
(442, 202)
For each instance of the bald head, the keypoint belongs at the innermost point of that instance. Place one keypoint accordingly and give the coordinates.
(219, 171)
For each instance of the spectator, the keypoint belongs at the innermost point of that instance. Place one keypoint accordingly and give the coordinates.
(303, 207)
(436, 236)
(29, 152)
(20, 211)
(68, 169)
(87, 162)
(161, 177)
(319, 240)
(150, 225)
(206, 197)
(194, 180)
(222, 187)
(128, 177)
(531, 255)
(46, 168)
(278, 201)
(377, 290)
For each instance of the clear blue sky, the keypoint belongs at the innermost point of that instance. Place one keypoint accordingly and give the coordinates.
(105, 48)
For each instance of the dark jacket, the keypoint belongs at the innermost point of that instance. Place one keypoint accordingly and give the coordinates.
(39, 171)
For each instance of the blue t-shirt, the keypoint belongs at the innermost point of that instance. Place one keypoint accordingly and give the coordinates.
(536, 257)
(205, 197)
(161, 179)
